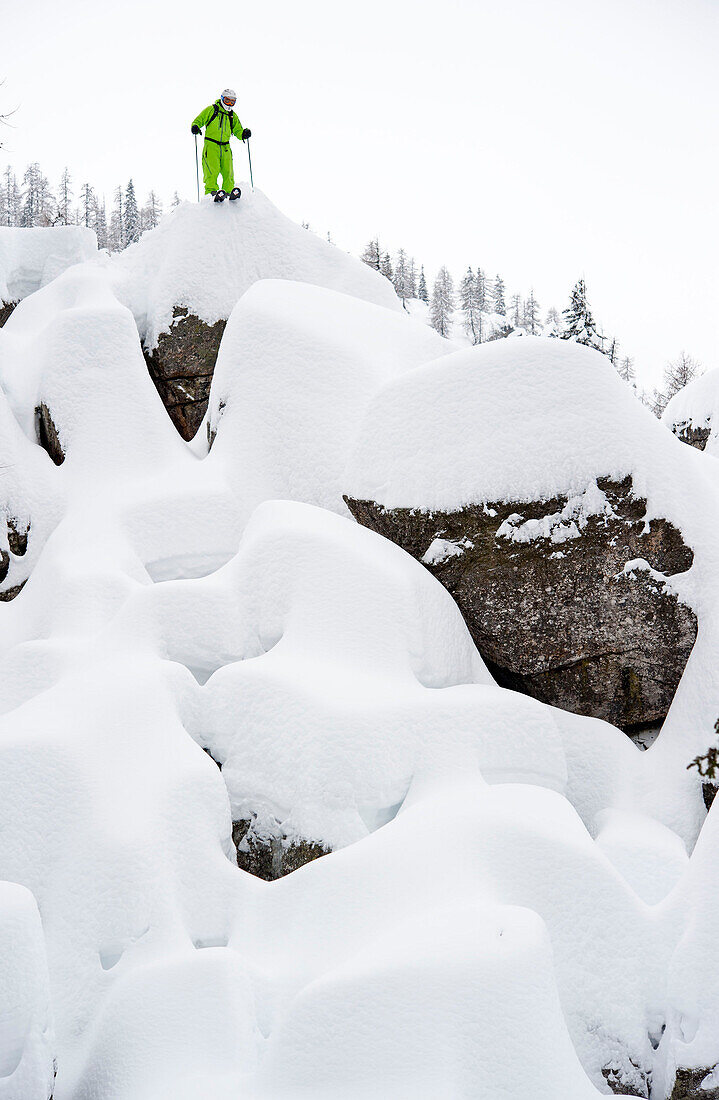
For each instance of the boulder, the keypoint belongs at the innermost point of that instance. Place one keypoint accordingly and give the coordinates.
(530, 481)
(573, 609)
(182, 365)
(269, 852)
(693, 413)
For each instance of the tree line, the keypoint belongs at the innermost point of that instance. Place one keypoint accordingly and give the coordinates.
(480, 306)
(33, 202)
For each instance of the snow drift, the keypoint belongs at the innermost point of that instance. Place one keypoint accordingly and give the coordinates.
(510, 906)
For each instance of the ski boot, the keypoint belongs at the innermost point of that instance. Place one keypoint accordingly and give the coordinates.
(235, 194)
(220, 195)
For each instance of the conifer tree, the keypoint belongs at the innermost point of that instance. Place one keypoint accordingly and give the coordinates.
(64, 198)
(87, 204)
(385, 266)
(516, 310)
(412, 278)
(116, 237)
(403, 277)
(442, 305)
(530, 320)
(372, 255)
(175, 200)
(499, 304)
(132, 215)
(422, 287)
(151, 212)
(37, 198)
(481, 284)
(580, 324)
(469, 305)
(625, 369)
(99, 223)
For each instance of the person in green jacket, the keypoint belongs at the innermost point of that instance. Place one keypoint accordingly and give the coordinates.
(220, 123)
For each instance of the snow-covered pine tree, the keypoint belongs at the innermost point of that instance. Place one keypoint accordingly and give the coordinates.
(625, 370)
(99, 223)
(580, 324)
(116, 237)
(400, 278)
(132, 215)
(175, 200)
(37, 206)
(530, 320)
(481, 282)
(11, 198)
(469, 305)
(442, 305)
(516, 310)
(412, 278)
(422, 287)
(499, 303)
(151, 212)
(553, 317)
(87, 204)
(372, 255)
(385, 266)
(64, 198)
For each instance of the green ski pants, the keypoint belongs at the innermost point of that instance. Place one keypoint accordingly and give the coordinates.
(217, 161)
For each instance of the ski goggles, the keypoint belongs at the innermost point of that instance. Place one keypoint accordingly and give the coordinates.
(228, 102)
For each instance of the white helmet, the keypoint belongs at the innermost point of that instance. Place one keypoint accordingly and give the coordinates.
(228, 99)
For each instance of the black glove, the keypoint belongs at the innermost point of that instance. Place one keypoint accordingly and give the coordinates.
(246, 134)
(196, 129)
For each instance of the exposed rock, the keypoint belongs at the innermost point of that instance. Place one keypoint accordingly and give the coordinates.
(549, 603)
(6, 309)
(695, 437)
(270, 853)
(688, 1085)
(17, 536)
(47, 435)
(627, 1080)
(181, 366)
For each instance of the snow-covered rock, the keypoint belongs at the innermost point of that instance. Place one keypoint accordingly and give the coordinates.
(297, 368)
(183, 279)
(32, 258)
(693, 413)
(532, 460)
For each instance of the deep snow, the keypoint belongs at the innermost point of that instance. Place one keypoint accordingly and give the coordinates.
(511, 911)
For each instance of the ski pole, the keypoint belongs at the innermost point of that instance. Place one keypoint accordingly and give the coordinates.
(197, 169)
(249, 157)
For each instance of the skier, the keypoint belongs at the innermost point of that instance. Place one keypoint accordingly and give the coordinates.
(220, 122)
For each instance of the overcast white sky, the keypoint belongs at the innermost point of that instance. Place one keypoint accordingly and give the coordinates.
(541, 140)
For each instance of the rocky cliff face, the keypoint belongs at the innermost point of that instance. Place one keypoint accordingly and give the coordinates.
(567, 600)
(181, 366)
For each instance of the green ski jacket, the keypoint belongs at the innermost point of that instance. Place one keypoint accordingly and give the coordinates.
(221, 126)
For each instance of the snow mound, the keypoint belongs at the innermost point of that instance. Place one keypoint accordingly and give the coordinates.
(297, 368)
(32, 258)
(695, 409)
(512, 420)
(26, 1034)
(205, 256)
(433, 1008)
